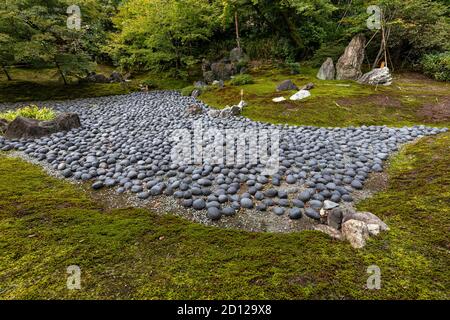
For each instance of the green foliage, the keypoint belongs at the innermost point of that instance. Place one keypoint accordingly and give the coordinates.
(162, 34)
(35, 32)
(332, 50)
(293, 67)
(149, 83)
(242, 79)
(417, 27)
(31, 111)
(437, 65)
(187, 91)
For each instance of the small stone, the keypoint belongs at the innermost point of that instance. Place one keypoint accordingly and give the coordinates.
(328, 205)
(295, 213)
(334, 218)
(214, 213)
(356, 184)
(313, 214)
(199, 204)
(143, 195)
(228, 211)
(246, 203)
(97, 185)
(271, 193)
(278, 211)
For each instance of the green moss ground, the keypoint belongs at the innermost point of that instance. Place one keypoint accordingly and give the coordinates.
(47, 224)
(43, 84)
(333, 103)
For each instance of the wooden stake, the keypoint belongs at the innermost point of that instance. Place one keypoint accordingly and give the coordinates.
(236, 22)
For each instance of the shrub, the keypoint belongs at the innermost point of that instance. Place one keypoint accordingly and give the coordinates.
(293, 67)
(437, 65)
(149, 83)
(32, 112)
(242, 79)
(331, 50)
(187, 91)
(242, 64)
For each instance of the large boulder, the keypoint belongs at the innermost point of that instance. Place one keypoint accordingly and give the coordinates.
(194, 109)
(237, 54)
(286, 85)
(30, 128)
(208, 76)
(349, 64)
(366, 217)
(116, 77)
(97, 78)
(355, 232)
(327, 70)
(378, 76)
(223, 70)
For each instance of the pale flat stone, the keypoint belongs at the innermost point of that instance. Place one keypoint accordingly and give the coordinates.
(279, 99)
(302, 94)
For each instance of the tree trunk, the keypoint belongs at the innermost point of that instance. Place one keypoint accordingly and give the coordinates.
(236, 21)
(61, 73)
(6, 73)
(292, 30)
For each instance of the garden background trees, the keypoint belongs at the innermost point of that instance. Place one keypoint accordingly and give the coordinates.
(35, 33)
(175, 35)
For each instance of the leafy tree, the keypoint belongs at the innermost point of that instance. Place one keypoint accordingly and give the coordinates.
(305, 22)
(162, 34)
(413, 28)
(36, 33)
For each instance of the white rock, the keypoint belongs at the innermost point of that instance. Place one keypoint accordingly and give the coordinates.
(328, 205)
(333, 233)
(322, 212)
(374, 229)
(355, 232)
(279, 99)
(302, 94)
(242, 104)
(214, 113)
(366, 217)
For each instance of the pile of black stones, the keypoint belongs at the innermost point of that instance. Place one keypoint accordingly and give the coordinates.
(125, 143)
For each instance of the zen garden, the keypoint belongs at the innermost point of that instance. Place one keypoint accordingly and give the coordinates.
(225, 149)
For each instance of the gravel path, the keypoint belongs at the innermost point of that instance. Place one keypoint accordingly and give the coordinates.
(125, 144)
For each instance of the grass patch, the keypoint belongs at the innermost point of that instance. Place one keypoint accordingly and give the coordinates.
(32, 112)
(42, 84)
(333, 103)
(48, 224)
(242, 79)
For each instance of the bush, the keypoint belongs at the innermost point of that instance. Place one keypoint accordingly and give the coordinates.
(187, 91)
(149, 84)
(242, 79)
(293, 67)
(437, 65)
(32, 112)
(327, 50)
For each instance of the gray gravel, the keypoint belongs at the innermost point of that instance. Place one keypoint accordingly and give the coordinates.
(125, 145)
